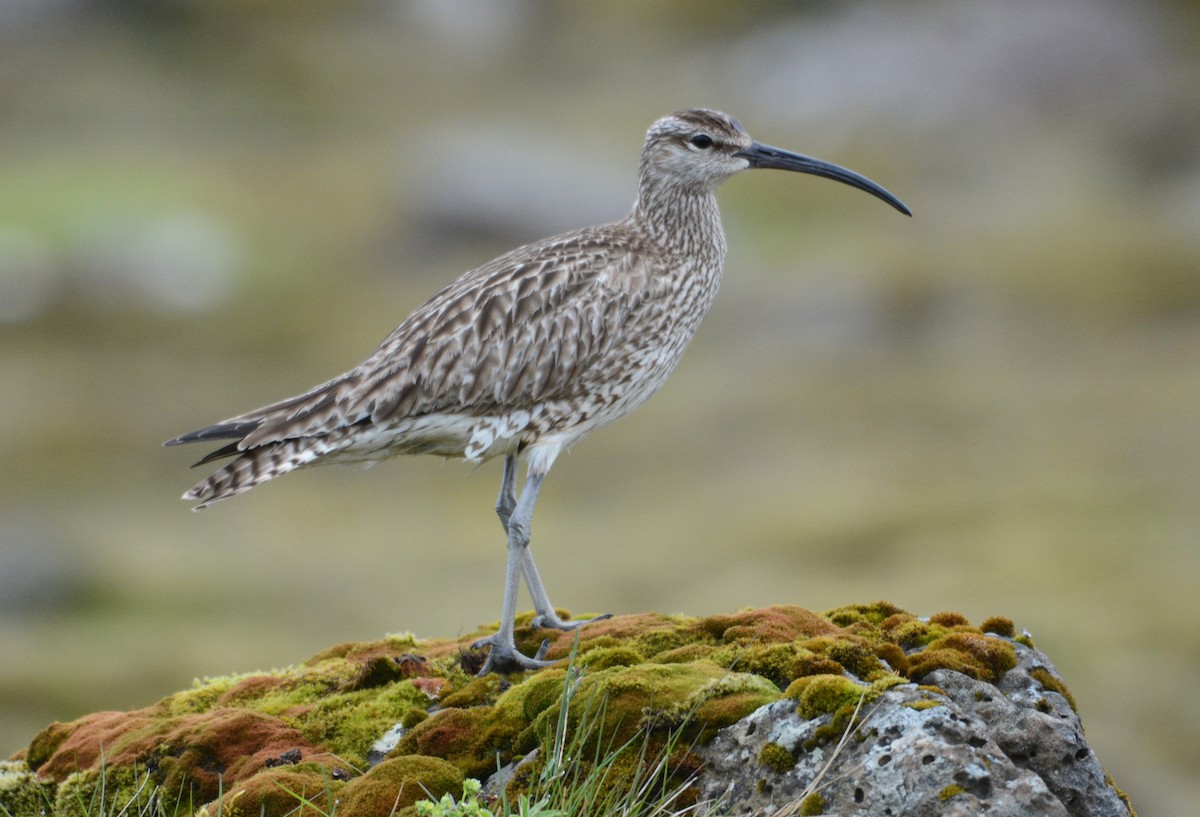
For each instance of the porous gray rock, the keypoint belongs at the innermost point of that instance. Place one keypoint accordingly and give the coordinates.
(1038, 729)
(952, 746)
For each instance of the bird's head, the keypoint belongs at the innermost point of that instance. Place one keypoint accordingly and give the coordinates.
(700, 148)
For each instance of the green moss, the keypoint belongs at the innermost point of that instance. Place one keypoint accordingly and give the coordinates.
(913, 634)
(780, 663)
(818, 695)
(645, 696)
(77, 795)
(459, 736)
(606, 657)
(202, 697)
(923, 704)
(1122, 795)
(119, 789)
(722, 702)
(398, 783)
(279, 792)
(853, 654)
(873, 614)
(857, 657)
(401, 641)
(951, 791)
(475, 692)
(1049, 682)
(46, 743)
(776, 758)
(21, 792)
(812, 805)
(412, 717)
(347, 724)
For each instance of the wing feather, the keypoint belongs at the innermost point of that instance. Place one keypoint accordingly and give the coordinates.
(525, 328)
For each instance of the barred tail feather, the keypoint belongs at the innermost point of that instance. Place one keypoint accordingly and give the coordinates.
(254, 466)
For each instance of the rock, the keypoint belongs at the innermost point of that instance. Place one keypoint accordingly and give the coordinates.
(751, 707)
(954, 745)
(1034, 723)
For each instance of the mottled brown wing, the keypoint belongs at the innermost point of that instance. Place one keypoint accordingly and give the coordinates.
(525, 328)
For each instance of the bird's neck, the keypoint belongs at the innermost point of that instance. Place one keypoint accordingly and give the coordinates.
(683, 220)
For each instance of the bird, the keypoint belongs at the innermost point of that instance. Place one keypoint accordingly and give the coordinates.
(525, 355)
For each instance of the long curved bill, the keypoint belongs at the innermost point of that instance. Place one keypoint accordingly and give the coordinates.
(765, 156)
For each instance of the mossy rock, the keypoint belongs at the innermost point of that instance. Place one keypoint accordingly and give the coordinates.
(659, 678)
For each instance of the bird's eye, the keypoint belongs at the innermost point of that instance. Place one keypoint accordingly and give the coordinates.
(702, 140)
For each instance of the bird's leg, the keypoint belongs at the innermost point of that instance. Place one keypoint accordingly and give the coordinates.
(506, 502)
(503, 655)
(545, 614)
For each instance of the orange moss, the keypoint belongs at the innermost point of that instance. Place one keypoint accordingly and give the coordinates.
(949, 620)
(895, 620)
(893, 655)
(777, 623)
(647, 633)
(979, 656)
(63, 748)
(1000, 626)
(190, 754)
(686, 654)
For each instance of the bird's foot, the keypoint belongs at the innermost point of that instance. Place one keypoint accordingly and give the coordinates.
(550, 620)
(503, 656)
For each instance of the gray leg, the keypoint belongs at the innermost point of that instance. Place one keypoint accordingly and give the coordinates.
(503, 655)
(505, 504)
(517, 517)
(507, 501)
(546, 617)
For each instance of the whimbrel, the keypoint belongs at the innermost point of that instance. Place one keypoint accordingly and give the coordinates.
(525, 355)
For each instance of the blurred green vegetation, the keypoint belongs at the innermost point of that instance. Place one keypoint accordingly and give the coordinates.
(991, 407)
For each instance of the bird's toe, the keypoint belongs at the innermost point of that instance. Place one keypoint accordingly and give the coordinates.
(504, 657)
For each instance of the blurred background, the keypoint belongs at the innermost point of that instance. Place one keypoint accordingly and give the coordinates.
(991, 407)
